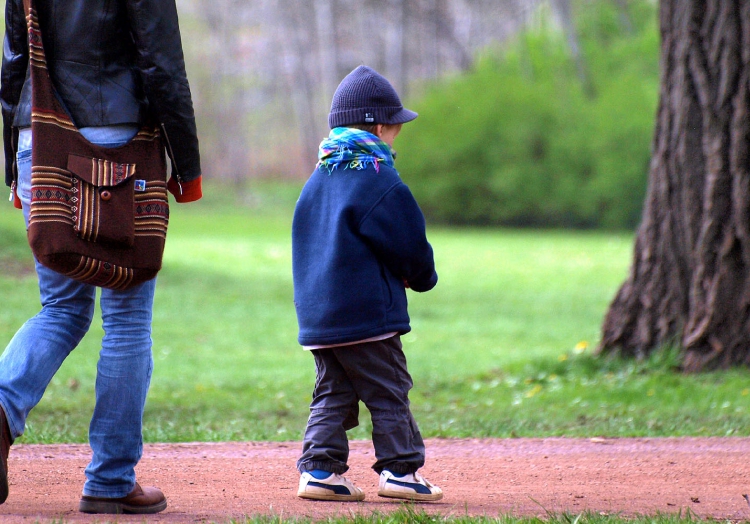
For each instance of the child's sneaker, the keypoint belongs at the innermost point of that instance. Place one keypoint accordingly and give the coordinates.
(411, 486)
(323, 485)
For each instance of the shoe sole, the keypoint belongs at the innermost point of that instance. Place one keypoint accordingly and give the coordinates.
(420, 497)
(4, 432)
(117, 508)
(331, 497)
(3, 482)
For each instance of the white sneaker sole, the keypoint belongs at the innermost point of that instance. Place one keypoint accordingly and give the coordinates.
(404, 495)
(327, 494)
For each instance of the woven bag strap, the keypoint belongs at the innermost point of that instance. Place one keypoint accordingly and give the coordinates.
(44, 99)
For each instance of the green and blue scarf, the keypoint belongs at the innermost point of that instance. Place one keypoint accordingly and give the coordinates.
(355, 149)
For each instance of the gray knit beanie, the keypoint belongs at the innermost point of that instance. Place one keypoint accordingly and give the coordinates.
(366, 97)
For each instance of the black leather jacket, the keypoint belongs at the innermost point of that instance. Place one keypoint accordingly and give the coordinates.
(112, 62)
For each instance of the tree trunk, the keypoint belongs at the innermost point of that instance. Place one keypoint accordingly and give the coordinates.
(690, 279)
(625, 22)
(301, 46)
(565, 11)
(394, 48)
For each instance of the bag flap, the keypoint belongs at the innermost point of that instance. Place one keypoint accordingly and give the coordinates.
(99, 172)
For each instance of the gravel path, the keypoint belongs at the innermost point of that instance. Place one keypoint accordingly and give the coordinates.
(218, 482)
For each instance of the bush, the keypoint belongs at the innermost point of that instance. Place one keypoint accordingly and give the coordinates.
(520, 141)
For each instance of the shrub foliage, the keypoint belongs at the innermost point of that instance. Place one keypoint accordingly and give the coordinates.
(525, 139)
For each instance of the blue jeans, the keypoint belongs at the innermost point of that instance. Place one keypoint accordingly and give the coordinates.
(41, 345)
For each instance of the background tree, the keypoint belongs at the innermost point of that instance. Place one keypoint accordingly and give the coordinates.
(690, 279)
(564, 9)
(263, 71)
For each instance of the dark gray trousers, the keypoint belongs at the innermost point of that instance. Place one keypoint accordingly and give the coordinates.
(374, 372)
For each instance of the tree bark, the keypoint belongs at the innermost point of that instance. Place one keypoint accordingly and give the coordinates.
(689, 283)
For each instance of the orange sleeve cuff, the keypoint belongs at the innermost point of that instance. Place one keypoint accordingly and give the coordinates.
(190, 192)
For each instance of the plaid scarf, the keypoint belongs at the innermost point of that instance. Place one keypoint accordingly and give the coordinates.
(355, 149)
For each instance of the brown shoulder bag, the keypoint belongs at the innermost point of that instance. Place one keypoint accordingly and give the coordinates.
(98, 215)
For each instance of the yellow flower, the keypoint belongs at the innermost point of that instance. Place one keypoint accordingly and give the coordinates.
(533, 391)
(581, 346)
(562, 358)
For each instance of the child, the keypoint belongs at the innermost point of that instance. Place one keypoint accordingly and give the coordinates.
(358, 240)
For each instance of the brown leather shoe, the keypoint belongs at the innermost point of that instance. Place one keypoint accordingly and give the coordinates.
(5, 443)
(140, 500)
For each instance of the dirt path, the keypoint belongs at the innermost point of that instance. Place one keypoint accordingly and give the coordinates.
(216, 482)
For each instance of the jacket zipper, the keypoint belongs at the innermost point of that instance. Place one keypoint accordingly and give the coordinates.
(14, 181)
(171, 155)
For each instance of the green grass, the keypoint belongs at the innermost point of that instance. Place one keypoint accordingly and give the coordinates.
(410, 515)
(501, 347)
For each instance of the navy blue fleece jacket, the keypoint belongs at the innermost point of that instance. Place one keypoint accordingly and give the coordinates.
(357, 236)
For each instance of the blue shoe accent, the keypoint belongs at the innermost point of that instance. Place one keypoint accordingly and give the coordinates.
(419, 488)
(320, 474)
(337, 489)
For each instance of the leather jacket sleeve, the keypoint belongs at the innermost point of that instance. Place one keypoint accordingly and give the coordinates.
(161, 64)
(14, 66)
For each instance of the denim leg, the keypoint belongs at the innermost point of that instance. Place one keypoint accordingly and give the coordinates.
(125, 361)
(39, 348)
(325, 445)
(380, 378)
(122, 382)
(41, 345)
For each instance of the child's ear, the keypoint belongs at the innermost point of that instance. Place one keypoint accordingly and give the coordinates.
(379, 130)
